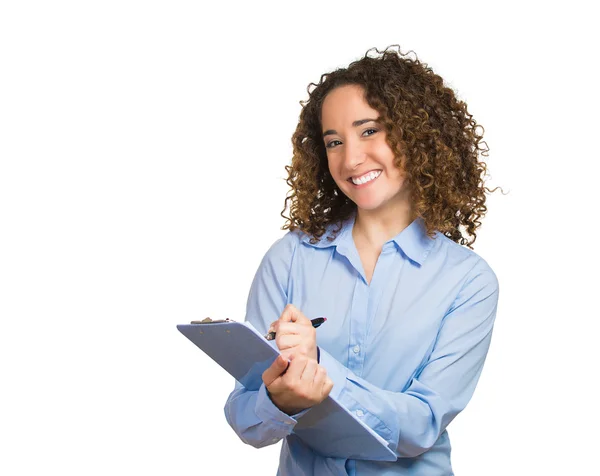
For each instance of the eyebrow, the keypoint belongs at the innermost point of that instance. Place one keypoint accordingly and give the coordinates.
(354, 124)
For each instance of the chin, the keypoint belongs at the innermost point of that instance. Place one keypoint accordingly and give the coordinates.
(367, 205)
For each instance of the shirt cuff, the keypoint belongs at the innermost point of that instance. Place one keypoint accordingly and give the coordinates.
(336, 372)
(265, 409)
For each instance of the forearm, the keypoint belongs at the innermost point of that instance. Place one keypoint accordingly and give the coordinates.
(410, 421)
(389, 414)
(255, 419)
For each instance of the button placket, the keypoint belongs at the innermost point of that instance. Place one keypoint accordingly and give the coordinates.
(358, 327)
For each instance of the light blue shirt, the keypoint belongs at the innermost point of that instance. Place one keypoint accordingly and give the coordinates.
(404, 351)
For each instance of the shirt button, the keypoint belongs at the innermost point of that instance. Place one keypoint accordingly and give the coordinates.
(356, 349)
(360, 413)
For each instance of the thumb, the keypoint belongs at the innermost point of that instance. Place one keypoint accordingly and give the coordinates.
(291, 314)
(277, 368)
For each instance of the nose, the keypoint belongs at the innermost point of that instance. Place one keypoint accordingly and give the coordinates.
(354, 155)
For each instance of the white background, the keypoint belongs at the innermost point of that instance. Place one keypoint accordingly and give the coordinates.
(142, 153)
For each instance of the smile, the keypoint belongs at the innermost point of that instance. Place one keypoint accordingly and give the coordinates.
(366, 178)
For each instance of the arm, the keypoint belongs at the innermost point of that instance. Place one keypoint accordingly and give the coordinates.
(252, 414)
(255, 419)
(411, 421)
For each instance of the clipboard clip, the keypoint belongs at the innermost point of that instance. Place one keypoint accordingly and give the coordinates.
(208, 320)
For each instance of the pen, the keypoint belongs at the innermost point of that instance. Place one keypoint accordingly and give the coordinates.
(316, 322)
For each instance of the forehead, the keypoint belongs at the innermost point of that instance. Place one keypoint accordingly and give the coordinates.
(344, 105)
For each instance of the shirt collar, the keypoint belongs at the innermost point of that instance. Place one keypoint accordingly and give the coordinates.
(343, 237)
(413, 241)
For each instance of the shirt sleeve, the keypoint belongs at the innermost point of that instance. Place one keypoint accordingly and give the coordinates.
(411, 421)
(252, 414)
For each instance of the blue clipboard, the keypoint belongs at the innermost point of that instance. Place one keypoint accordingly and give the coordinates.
(245, 354)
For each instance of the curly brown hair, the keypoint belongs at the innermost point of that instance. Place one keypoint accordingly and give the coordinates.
(436, 142)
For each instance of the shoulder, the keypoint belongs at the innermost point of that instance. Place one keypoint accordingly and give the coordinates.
(286, 244)
(476, 268)
(282, 251)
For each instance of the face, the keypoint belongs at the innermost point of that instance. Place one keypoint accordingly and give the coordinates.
(360, 160)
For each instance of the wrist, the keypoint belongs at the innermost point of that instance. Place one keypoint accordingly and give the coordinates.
(287, 409)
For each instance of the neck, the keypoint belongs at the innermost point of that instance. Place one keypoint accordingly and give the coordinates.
(379, 226)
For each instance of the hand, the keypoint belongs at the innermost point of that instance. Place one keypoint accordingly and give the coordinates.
(304, 384)
(295, 334)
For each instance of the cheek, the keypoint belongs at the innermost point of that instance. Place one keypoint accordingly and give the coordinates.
(386, 153)
(399, 176)
(334, 168)
(396, 175)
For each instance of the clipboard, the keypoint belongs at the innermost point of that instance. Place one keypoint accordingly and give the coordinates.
(245, 354)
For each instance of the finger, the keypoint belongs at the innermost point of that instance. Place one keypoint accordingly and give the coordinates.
(327, 387)
(287, 354)
(284, 328)
(320, 376)
(297, 364)
(277, 368)
(287, 341)
(291, 314)
(290, 334)
(309, 372)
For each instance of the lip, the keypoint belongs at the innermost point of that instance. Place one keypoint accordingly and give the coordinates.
(362, 185)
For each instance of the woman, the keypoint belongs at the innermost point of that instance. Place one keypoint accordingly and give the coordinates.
(386, 185)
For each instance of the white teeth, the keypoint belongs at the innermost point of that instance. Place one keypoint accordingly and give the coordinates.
(366, 178)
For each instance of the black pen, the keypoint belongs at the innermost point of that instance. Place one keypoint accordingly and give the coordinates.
(316, 322)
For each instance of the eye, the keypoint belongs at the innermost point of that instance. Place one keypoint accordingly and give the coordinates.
(370, 132)
(331, 144)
